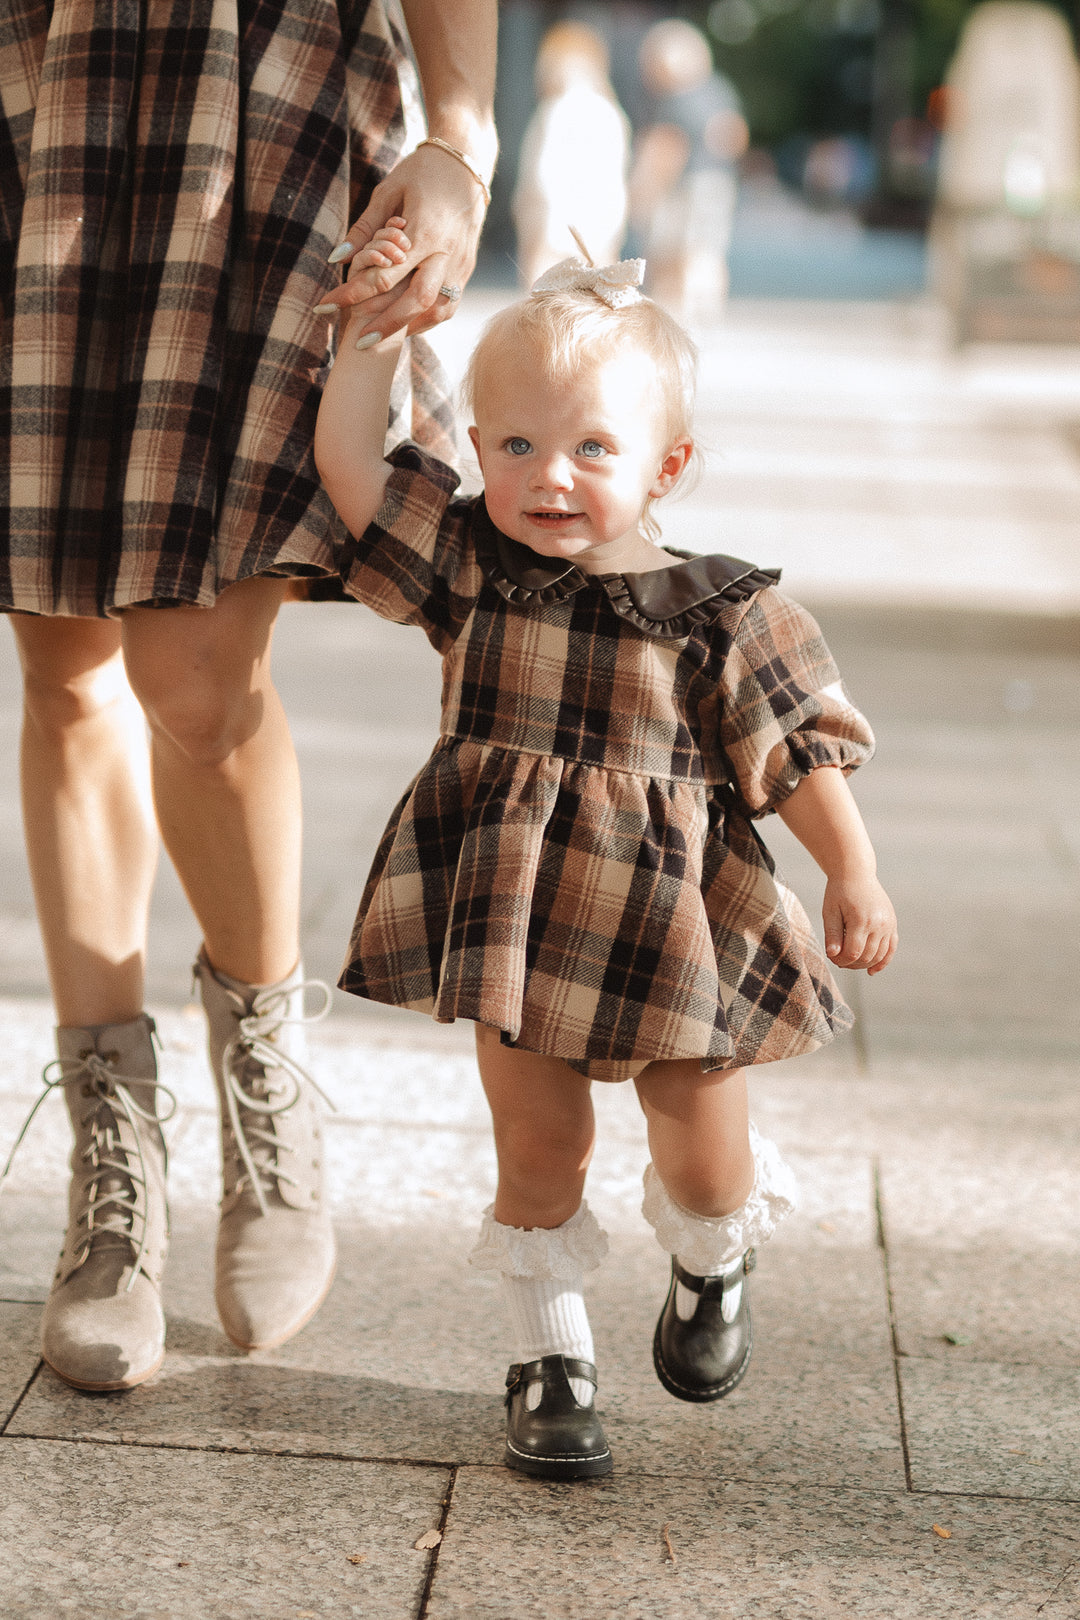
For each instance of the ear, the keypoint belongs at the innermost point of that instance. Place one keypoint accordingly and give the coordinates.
(474, 436)
(672, 467)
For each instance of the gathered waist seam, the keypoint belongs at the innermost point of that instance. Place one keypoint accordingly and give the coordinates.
(446, 737)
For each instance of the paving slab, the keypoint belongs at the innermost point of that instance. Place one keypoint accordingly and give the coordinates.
(20, 1352)
(518, 1549)
(1016, 1305)
(406, 1359)
(983, 1428)
(102, 1531)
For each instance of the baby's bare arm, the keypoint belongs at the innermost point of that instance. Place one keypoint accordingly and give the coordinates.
(860, 924)
(351, 427)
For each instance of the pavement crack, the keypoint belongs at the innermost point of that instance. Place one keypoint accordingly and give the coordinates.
(883, 1245)
(1066, 1572)
(433, 1563)
(23, 1393)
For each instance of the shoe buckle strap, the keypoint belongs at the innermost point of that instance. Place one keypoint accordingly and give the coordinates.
(111, 1088)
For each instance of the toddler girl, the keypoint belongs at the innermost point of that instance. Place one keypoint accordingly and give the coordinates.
(576, 867)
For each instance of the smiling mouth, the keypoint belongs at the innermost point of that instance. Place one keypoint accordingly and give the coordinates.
(554, 518)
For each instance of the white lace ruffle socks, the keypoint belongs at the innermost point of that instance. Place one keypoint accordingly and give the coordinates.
(543, 1273)
(714, 1247)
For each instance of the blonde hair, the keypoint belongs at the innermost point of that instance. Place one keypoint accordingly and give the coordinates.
(569, 330)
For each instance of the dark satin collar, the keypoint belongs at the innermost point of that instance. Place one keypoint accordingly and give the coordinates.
(667, 602)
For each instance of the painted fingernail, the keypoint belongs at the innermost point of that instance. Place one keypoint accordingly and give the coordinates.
(369, 340)
(344, 250)
(324, 309)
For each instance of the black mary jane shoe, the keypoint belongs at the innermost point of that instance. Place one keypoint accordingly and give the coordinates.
(704, 1358)
(559, 1439)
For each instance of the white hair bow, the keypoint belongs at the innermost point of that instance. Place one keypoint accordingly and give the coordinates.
(616, 284)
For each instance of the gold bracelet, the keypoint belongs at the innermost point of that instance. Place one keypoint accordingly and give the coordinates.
(462, 157)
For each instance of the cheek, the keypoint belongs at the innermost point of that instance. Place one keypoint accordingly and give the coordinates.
(501, 492)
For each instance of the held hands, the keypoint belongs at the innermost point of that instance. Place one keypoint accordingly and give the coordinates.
(444, 205)
(372, 271)
(860, 923)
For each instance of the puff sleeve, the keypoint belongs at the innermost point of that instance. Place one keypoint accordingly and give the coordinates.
(783, 709)
(414, 563)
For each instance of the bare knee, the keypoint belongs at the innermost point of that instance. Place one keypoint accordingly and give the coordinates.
(72, 672)
(202, 675)
(198, 716)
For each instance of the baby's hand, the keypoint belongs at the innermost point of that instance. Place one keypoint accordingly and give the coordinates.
(388, 246)
(860, 924)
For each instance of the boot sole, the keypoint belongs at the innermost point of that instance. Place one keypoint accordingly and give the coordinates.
(122, 1383)
(711, 1392)
(283, 1338)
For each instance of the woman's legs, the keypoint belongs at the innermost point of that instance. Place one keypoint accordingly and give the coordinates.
(227, 791)
(92, 848)
(226, 784)
(90, 834)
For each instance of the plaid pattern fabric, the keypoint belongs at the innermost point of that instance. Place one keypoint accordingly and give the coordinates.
(576, 864)
(173, 174)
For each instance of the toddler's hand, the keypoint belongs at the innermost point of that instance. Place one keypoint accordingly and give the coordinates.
(860, 924)
(369, 268)
(388, 246)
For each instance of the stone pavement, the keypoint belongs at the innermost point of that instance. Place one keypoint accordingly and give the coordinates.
(918, 1325)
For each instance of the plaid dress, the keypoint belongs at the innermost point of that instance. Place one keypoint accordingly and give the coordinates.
(173, 174)
(576, 864)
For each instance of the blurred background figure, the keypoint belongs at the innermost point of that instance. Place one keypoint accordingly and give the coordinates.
(574, 156)
(1012, 132)
(1007, 226)
(683, 183)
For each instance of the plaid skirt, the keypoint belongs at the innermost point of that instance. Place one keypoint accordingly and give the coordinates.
(590, 914)
(173, 175)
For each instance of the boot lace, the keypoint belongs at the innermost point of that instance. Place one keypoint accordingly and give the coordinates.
(115, 1195)
(251, 1102)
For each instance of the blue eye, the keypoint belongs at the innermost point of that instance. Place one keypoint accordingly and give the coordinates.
(593, 449)
(518, 447)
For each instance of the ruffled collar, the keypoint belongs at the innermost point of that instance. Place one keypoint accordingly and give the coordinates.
(667, 602)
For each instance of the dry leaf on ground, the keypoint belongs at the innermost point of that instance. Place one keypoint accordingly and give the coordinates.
(939, 1530)
(429, 1539)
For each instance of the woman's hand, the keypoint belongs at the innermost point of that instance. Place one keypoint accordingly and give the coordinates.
(444, 207)
(860, 923)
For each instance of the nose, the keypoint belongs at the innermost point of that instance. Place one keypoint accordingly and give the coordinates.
(553, 471)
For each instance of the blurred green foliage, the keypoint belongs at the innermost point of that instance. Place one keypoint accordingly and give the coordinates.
(808, 66)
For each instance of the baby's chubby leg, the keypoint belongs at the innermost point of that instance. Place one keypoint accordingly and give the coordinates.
(542, 1114)
(541, 1239)
(714, 1190)
(699, 1134)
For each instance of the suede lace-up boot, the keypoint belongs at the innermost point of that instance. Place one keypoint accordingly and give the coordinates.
(103, 1326)
(275, 1245)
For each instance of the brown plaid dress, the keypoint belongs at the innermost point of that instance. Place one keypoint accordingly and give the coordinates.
(173, 174)
(576, 863)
